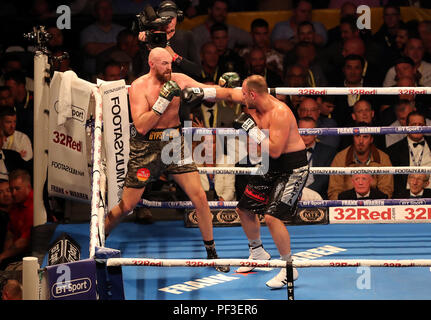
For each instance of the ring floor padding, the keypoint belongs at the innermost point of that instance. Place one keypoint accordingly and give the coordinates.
(170, 240)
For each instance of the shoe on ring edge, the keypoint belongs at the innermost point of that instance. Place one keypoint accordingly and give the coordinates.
(280, 280)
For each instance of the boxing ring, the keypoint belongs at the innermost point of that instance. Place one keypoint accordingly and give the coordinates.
(148, 250)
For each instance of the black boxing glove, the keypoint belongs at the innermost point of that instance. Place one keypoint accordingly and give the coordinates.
(195, 96)
(247, 123)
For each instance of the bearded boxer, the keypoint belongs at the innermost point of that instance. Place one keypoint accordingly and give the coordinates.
(154, 106)
(276, 193)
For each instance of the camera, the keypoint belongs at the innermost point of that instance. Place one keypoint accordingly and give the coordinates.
(151, 22)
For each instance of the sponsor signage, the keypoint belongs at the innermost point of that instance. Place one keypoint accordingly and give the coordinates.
(116, 131)
(229, 217)
(72, 281)
(64, 249)
(381, 214)
(68, 175)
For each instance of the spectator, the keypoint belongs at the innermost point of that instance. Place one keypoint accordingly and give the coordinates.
(285, 34)
(213, 115)
(17, 244)
(415, 50)
(257, 65)
(310, 108)
(417, 187)
(181, 45)
(353, 77)
(319, 155)
(209, 61)
(229, 60)
(326, 106)
(260, 36)
(23, 102)
(12, 290)
(402, 109)
(222, 185)
(306, 56)
(11, 160)
(362, 152)
(126, 52)
(413, 150)
(362, 113)
(217, 12)
(296, 77)
(424, 30)
(61, 63)
(15, 61)
(113, 71)
(401, 38)
(99, 36)
(15, 140)
(5, 204)
(348, 9)
(391, 22)
(362, 189)
(6, 98)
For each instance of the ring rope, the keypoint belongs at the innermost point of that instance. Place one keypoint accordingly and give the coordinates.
(301, 204)
(149, 262)
(321, 170)
(351, 91)
(318, 131)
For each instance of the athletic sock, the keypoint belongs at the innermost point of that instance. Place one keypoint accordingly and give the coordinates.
(286, 257)
(254, 243)
(210, 247)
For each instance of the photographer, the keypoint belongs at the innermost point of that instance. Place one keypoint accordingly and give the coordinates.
(179, 43)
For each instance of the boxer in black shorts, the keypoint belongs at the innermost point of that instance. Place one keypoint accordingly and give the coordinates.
(276, 193)
(145, 158)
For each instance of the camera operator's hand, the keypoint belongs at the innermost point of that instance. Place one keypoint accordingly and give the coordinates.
(142, 36)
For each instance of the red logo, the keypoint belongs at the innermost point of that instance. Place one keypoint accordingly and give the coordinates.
(256, 195)
(143, 174)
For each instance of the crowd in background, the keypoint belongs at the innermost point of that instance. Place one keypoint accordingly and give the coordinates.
(298, 52)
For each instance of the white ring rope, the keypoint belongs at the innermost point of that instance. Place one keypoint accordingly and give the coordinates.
(351, 91)
(321, 170)
(149, 262)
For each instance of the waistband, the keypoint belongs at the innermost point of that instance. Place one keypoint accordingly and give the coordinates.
(160, 134)
(288, 161)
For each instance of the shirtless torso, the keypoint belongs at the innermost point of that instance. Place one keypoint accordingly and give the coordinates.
(144, 93)
(277, 117)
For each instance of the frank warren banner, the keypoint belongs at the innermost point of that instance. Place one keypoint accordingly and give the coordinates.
(68, 175)
(116, 130)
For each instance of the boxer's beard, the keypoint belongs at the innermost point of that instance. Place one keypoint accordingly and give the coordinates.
(164, 77)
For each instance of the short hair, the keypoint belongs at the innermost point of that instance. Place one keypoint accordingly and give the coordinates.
(351, 21)
(7, 111)
(259, 23)
(415, 113)
(111, 63)
(20, 173)
(16, 75)
(404, 59)
(354, 57)
(306, 23)
(4, 88)
(218, 26)
(308, 119)
(257, 83)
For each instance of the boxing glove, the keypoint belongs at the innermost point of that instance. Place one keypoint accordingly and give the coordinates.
(169, 90)
(247, 123)
(229, 80)
(194, 96)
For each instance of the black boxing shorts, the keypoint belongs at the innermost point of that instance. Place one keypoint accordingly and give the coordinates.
(145, 160)
(277, 192)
